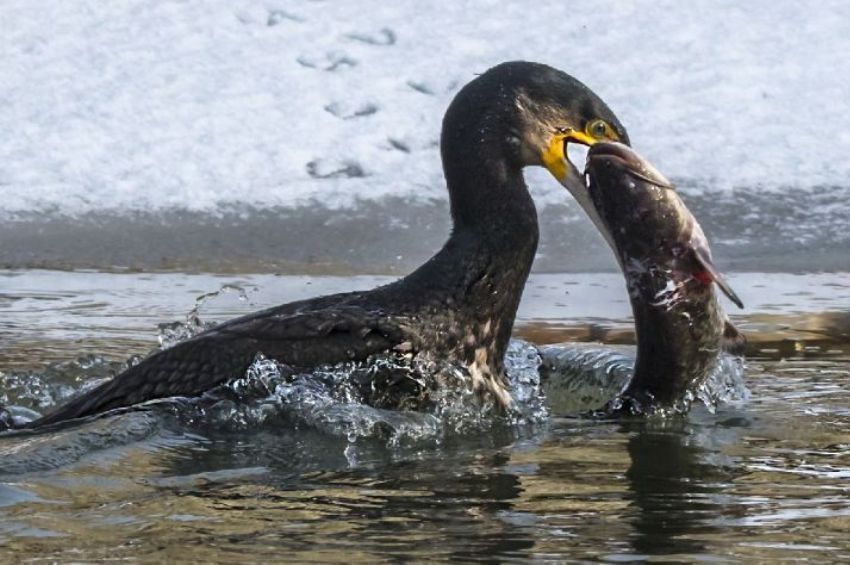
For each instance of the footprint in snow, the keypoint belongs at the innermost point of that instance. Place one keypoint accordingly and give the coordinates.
(330, 62)
(384, 37)
(278, 16)
(349, 112)
(322, 169)
(421, 87)
(398, 145)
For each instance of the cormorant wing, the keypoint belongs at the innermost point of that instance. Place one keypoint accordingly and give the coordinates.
(314, 337)
(302, 339)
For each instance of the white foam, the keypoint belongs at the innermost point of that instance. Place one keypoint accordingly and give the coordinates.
(137, 105)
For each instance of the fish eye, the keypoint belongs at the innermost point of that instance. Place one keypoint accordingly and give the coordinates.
(599, 129)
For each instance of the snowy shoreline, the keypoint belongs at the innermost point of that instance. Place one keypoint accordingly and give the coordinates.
(144, 106)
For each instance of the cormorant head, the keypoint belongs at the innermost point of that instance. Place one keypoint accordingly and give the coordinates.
(554, 109)
(529, 113)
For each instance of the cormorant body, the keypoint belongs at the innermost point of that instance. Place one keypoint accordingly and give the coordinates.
(460, 305)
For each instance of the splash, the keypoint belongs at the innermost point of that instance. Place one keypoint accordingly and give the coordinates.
(172, 333)
(725, 384)
(580, 378)
(393, 398)
(25, 395)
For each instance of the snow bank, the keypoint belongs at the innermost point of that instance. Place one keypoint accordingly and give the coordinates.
(141, 104)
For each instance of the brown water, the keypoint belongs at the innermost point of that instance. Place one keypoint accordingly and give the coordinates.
(763, 477)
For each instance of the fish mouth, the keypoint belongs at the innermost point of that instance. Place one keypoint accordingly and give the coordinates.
(623, 157)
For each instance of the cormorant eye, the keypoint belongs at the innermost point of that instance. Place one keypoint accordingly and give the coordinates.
(599, 129)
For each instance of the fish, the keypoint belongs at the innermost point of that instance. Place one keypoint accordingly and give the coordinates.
(681, 328)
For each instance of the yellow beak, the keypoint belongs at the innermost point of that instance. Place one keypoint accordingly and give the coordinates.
(554, 157)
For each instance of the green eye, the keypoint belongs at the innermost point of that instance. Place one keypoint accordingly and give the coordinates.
(598, 129)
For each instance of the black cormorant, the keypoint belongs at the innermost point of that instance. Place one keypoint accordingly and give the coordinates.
(460, 305)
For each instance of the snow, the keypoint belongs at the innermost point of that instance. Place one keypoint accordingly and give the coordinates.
(143, 104)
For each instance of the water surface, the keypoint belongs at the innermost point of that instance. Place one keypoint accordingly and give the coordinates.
(761, 477)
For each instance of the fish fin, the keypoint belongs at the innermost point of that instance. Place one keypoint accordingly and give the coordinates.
(711, 274)
(734, 342)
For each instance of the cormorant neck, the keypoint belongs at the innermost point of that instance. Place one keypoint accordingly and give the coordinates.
(470, 290)
(482, 170)
(489, 195)
(489, 199)
(494, 236)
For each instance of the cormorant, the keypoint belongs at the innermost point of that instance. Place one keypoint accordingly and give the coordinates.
(460, 305)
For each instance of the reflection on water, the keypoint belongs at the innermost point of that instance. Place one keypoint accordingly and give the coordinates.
(761, 479)
(672, 489)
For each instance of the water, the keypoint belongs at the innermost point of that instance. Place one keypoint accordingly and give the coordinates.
(275, 466)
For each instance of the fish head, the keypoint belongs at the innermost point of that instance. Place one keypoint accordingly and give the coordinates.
(646, 219)
(637, 204)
